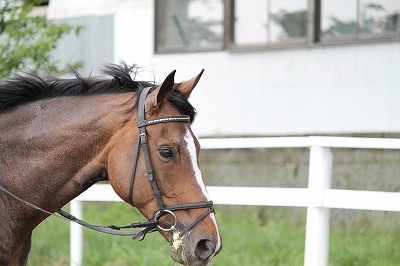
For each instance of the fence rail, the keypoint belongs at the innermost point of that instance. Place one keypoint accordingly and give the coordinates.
(318, 197)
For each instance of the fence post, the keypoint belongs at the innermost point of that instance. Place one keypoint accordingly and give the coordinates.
(317, 225)
(76, 238)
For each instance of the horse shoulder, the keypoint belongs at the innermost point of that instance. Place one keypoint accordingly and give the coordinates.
(15, 244)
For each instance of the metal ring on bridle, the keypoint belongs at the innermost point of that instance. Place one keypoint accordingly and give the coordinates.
(159, 214)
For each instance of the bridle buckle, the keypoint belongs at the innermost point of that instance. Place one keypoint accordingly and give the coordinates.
(143, 137)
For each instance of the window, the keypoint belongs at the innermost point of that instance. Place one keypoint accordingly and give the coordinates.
(272, 21)
(189, 25)
(193, 25)
(359, 19)
(338, 18)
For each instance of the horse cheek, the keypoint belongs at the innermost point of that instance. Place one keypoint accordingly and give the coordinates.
(119, 174)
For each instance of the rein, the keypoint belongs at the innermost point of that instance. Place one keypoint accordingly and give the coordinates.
(153, 224)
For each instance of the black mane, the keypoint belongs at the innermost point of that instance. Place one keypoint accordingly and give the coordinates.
(20, 89)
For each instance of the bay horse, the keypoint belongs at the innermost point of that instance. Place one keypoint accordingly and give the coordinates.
(60, 136)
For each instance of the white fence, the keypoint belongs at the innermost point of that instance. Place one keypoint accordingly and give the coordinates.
(318, 198)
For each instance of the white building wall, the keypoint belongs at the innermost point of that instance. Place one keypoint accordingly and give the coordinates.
(335, 89)
(134, 41)
(318, 90)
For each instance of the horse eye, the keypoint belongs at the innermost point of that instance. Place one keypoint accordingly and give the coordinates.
(166, 153)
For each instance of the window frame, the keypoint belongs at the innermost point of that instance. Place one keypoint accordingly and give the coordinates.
(232, 46)
(358, 37)
(163, 50)
(313, 36)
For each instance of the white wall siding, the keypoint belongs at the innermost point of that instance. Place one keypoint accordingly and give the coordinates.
(332, 89)
(134, 23)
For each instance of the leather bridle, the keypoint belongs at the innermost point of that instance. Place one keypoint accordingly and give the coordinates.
(153, 224)
(142, 142)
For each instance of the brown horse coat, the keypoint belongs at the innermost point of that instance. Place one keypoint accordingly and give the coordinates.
(54, 144)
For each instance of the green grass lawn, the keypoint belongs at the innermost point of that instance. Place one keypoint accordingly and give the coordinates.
(251, 236)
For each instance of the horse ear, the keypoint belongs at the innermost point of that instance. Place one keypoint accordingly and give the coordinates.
(166, 87)
(162, 90)
(187, 87)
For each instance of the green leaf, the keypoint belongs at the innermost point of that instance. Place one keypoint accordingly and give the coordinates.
(27, 41)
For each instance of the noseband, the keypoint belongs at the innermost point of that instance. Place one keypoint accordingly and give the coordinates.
(153, 224)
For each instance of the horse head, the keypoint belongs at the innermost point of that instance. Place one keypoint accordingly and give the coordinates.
(174, 192)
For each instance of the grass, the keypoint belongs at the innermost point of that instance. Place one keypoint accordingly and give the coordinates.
(366, 245)
(251, 236)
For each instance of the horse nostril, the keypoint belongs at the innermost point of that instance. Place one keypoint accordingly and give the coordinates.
(204, 249)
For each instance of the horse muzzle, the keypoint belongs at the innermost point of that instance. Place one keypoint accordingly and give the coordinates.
(187, 251)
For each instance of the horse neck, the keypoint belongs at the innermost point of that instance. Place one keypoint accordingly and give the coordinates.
(53, 150)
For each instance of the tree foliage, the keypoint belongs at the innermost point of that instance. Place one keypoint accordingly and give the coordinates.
(26, 40)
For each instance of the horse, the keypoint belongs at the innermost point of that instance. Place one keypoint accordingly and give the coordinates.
(60, 136)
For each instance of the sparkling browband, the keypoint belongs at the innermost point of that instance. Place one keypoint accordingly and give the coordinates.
(180, 118)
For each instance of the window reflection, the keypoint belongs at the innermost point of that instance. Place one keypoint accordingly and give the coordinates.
(288, 19)
(189, 24)
(338, 17)
(377, 17)
(352, 18)
(251, 22)
(260, 21)
(183, 25)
